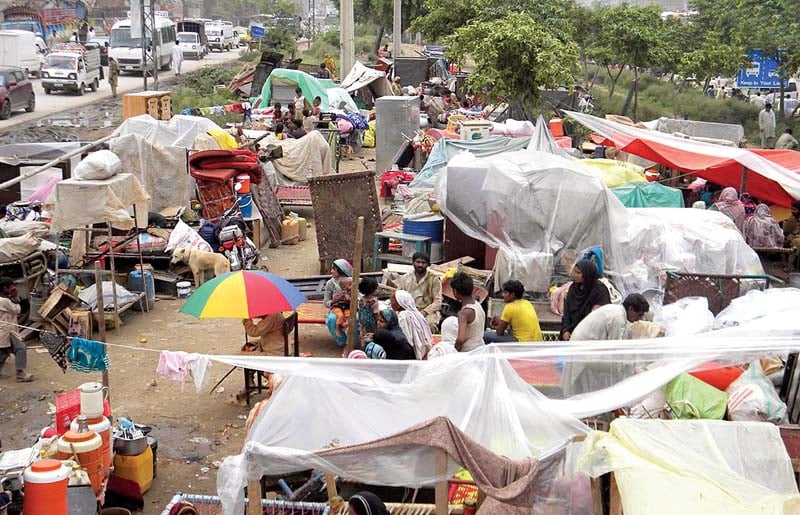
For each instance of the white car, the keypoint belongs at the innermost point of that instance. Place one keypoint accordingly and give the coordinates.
(190, 45)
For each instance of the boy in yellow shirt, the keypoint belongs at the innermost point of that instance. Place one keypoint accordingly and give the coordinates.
(517, 313)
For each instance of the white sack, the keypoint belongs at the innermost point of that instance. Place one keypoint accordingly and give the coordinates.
(98, 166)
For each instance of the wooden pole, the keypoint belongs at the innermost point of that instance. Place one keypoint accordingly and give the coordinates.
(253, 497)
(101, 322)
(114, 279)
(351, 327)
(441, 487)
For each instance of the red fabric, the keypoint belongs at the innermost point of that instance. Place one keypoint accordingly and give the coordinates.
(225, 160)
(720, 170)
(391, 180)
(718, 376)
(219, 175)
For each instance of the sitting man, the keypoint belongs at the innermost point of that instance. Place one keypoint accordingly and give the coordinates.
(519, 314)
(425, 287)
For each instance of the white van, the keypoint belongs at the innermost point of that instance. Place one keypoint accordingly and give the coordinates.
(21, 49)
(220, 35)
(127, 51)
(191, 46)
(72, 68)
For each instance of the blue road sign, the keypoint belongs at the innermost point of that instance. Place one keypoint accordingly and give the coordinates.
(257, 32)
(761, 71)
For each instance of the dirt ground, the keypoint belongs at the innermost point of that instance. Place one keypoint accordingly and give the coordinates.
(195, 431)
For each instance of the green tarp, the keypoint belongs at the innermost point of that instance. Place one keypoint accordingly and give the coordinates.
(310, 85)
(648, 194)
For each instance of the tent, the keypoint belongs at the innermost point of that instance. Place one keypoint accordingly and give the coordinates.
(281, 83)
(769, 175)
(539, 209)
(388, 429)
(648, 194)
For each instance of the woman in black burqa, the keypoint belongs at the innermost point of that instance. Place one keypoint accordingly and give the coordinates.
(586, 294)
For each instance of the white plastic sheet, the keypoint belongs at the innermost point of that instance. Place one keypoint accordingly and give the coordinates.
(179, 131)
(695, 467)
(530, 202)
(485, 393)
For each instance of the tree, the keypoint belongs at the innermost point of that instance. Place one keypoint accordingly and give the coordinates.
(587, 23)
(381, 13)
(445, 17)
(632, 35)
(514, 57)
(711, 59)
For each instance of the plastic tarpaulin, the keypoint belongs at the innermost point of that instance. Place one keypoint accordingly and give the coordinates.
(337, 95)
(360, 76)
(697, 466)
(309, 155)
(730, 132)
(648, 194)
(310, 85)
(445, 149)
(529, 203)
(486, 396)
(179, 131)
(614, 173)
(768, 178)
(162, 170)
(76, 203)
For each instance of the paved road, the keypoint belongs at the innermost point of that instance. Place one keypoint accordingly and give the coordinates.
(47, 105)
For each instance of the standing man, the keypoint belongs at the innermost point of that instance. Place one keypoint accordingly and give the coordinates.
(177, 58)
(323, 72)
(113, 75)
(766, 124)
(9, 341)
(91, 34)
(519, 322)
(425, 287)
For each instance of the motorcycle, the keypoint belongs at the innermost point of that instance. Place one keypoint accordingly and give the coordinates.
(586, 104)
(240, 251)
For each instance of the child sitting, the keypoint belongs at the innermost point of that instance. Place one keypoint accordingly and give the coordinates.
(340, 306)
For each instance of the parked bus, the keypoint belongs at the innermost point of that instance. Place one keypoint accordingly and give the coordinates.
(127, 51)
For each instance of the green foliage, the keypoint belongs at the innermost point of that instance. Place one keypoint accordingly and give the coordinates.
(202, 81)
(633, 34)
(444, 17)
(711, 59)
(328, 43)
(381, 12)
(514, 56)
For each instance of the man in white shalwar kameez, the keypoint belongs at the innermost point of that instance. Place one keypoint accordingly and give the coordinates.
(177, 58)
(609, 322)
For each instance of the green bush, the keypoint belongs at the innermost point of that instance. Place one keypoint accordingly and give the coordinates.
(202, 81)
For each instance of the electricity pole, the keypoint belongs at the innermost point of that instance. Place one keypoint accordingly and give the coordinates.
(397, 28)
(346, 38)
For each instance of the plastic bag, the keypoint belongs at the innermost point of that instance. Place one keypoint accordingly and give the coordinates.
(12, 249)
(689, 315)
(753, 398)
(184, 236)
(690, 397)
(98, 166)
(124, 297)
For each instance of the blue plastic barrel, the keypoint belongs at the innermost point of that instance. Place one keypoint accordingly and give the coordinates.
(148, 286)
(245, 204)
(431, 226)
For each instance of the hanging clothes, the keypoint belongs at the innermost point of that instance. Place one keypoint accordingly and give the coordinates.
(57, 346)
(88, 356)
(177, 365)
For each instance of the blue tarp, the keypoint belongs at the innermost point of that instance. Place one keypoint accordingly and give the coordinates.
(648, 194)
(445, 149)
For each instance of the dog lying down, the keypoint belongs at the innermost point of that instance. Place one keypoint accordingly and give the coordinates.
(200, 261)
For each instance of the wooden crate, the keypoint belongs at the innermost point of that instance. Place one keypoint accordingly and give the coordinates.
(135, 104)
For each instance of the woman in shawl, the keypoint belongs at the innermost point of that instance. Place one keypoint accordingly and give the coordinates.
(341, 268)
(447, 345)
(586, 294)
(391, 338)
(730, 205)
(413, 324)
(366, 503)
(762, 230)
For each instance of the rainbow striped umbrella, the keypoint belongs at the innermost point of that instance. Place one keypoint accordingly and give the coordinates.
(243, 294)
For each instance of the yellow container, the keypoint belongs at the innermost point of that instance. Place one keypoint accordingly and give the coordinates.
(289, 230)
(137, 468)
(302, 228)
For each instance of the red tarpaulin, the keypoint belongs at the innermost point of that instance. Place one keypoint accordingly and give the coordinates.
(772, 175)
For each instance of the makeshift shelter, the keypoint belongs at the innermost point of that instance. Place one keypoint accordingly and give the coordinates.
(648, 194)
(445, 149)
(309, 156)
(367, 83)
(387, 430)
(540, 210)
(281, 83)
(769, 175)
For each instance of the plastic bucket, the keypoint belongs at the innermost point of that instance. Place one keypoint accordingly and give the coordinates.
(556, 126)
(184, 289)
(46, 488)
(245, 204)
(241, 184)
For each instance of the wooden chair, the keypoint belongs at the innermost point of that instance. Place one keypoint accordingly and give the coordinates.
(289, 326)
